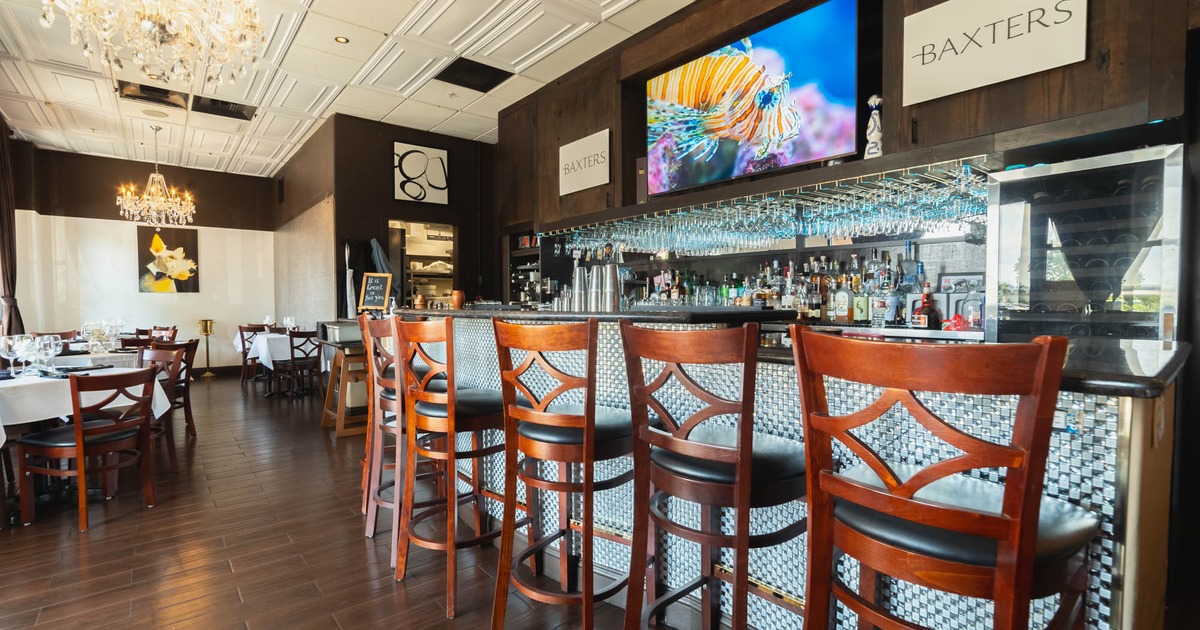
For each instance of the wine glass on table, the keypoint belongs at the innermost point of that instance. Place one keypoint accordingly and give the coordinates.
(23, 347)
(289, 322)
(48, 347)
(8, 350)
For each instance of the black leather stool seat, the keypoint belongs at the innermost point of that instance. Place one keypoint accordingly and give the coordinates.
(1063, 528)
(64, 437)
(468, 403)
(774, 458)
(611, 424)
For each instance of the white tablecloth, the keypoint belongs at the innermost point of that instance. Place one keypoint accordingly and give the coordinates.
(29, 399)
(115, 359)
(268, 348)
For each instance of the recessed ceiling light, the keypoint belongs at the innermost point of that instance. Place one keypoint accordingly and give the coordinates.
(342, 39)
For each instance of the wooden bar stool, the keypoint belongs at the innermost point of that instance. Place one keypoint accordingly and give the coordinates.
(932, 525)
(572, 435)
(700, 461)
(440, 417)
(348, 366)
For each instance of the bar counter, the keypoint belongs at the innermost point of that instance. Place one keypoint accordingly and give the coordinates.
(1110, 453)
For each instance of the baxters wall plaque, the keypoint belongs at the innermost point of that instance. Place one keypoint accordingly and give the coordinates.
(961, 45)
(583, 163)
(421, 173)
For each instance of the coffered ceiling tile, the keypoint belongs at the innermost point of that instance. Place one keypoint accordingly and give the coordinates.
(638, 16)
(281, 20)
(52, 45)
(371, 14)
(516, 88)
(144, 152)
(604, 9)
(140, 109)
(256, 168)
(263, 149)
(402, 65)
(598, 38)
(491, 137)
(376, 104)
(90, 121)
(213, 122)
(466, 125)
(208, 141)
(532, 31)
(47, 138)
(301, 94)
(320, 64)
(454, 23)
(446, 94)
(96, 145)
(281, 126)
(418, 115)
(21, 113)
(142, 132)
(16, 81)
(207, 161)
(488, 106)
(63, 87)
(318, 32)
(248, 90)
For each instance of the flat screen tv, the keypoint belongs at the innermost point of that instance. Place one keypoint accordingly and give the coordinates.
(781, 97)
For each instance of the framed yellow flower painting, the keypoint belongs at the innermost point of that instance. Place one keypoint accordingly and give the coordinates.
(168, 260)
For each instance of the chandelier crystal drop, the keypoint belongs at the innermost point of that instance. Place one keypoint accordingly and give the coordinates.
(159, 205)
(168, 40)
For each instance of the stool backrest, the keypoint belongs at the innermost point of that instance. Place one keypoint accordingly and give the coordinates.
(376, 334)
(412, 341)
(535, 341)
(675, 350)
(1029, 371)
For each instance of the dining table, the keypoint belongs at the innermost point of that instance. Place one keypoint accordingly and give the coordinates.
(267, 348)
(27, 399)
(115, 358)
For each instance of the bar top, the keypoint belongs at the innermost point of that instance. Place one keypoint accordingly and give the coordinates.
(693, 315)
(1109, 367)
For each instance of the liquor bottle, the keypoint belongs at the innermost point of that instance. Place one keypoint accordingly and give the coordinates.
(927, 315)
(723, 291)
(843, 302)
(920, 274)
(862, 301)
(674, 285)
(873, 270)
(893, 313)
(909, 268)
(879, 314)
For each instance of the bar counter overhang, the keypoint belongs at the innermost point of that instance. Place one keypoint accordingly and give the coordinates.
(1110, 453)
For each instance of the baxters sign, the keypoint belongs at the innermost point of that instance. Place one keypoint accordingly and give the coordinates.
(961, 45)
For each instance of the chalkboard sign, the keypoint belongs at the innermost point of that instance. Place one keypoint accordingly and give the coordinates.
(375, 290)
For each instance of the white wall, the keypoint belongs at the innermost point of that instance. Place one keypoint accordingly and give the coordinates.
(305, 271)
(71, 269)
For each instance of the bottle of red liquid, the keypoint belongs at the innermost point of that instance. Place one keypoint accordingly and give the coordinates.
(927, 315)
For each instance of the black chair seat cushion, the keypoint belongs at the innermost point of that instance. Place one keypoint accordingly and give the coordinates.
(774, 458)
(1063, 528)
(420, 370)
(611, 425)
(436, 385)
(64, 436)
(469, 403)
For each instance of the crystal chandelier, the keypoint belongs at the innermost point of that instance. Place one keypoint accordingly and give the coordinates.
(159, 205)
(167, 39)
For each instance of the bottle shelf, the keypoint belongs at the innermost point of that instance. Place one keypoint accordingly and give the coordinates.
(521, 253)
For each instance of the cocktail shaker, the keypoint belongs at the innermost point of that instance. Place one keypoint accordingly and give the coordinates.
(579, 290)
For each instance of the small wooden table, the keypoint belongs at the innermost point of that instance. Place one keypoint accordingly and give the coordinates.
(349, 365)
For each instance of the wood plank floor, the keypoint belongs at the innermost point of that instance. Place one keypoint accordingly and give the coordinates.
(260, 529)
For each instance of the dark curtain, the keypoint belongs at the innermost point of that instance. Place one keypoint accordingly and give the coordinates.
(11, 323)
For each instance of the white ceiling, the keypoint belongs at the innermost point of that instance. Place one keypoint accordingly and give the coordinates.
(53, 96)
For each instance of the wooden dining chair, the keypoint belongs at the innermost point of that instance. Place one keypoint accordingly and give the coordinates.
(440, 413)
(99, 439)
(246, 335)
(277, 330)
(135, 342)
(699, 459)
(169, 364)
(64, 335)
(302, 364)
(163, 333)
(935, 525)
(181, 395)
(571, 437)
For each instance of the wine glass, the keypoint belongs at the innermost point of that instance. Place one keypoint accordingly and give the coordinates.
(50, 346)
(8, 350)
(289, 322)
(23, 347)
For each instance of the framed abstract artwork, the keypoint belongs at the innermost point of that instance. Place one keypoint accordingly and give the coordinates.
(168, 260)
(422, 173)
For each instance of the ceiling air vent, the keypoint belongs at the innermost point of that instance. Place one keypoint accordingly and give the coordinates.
(472, 74)
(150, 94)
(237, 111)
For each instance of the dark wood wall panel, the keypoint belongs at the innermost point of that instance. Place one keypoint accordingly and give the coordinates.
(516, 194)
(307, 178)
(1193, 14)
(570, 109)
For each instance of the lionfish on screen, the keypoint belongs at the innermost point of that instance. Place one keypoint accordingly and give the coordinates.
(721, 95)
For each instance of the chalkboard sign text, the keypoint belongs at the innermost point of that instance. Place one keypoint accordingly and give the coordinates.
(374, 293)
